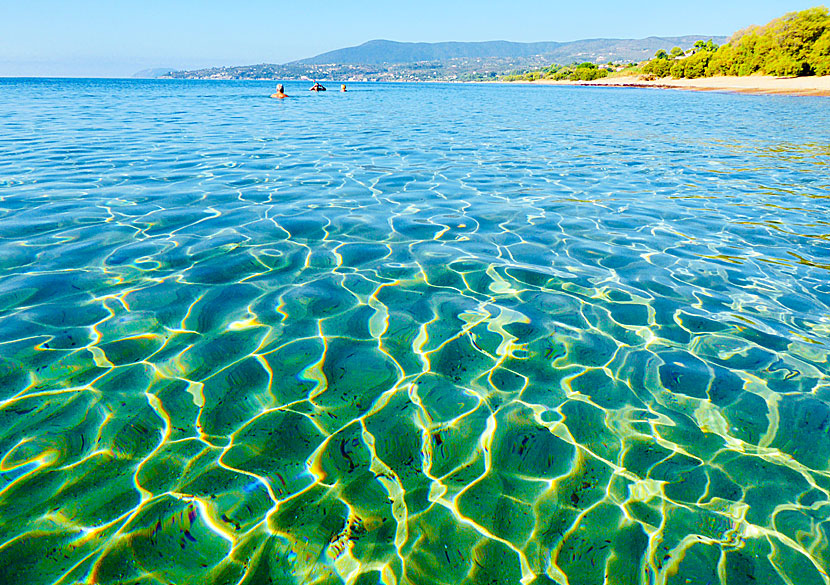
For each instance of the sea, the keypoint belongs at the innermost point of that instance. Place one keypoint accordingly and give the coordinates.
(412, 334)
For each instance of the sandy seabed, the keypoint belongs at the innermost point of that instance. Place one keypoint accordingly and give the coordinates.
(752, 84)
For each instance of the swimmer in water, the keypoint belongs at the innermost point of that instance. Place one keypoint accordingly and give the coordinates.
(343, 87)
(317, 87)
(280, 92)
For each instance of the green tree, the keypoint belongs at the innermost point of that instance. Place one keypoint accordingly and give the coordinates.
(820, 56)
(722, 62)
(798, 43)
(658, 67)
(676, 52)
(790, 45)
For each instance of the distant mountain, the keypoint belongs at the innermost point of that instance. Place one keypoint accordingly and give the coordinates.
(381, 60)
(380, 52)
(153, 73)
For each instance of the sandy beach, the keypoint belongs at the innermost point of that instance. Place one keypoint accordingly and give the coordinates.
(758, 84)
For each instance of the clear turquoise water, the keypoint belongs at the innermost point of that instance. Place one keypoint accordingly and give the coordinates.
(412, 334)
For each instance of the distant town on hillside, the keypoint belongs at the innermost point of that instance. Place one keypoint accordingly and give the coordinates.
(382, 60)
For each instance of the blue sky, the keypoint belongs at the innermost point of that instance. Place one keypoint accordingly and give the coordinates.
(118, 37)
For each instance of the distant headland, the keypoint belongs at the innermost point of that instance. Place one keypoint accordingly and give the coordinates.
(153, 73)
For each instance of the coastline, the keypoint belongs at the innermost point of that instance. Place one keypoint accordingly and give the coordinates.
(753, 84)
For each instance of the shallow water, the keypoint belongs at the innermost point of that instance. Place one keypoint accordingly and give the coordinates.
(412, 334)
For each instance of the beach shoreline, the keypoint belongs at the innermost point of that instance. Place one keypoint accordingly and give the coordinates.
(754, 84)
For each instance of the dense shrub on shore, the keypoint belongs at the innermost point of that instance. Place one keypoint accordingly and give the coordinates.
(581, 72)
(796, 44)
(692, 63)
(793, 45)
(576, 72)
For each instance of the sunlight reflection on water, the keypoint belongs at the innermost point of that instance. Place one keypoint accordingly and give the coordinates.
(412, 334)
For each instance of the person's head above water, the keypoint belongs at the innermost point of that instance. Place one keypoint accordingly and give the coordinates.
(343, 87)
(280, 92)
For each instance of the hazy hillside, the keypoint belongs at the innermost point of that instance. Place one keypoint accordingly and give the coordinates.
(381, 52)
(152, 73)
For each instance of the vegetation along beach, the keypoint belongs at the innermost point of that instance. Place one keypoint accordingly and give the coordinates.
(790, 55)
(414, 333)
